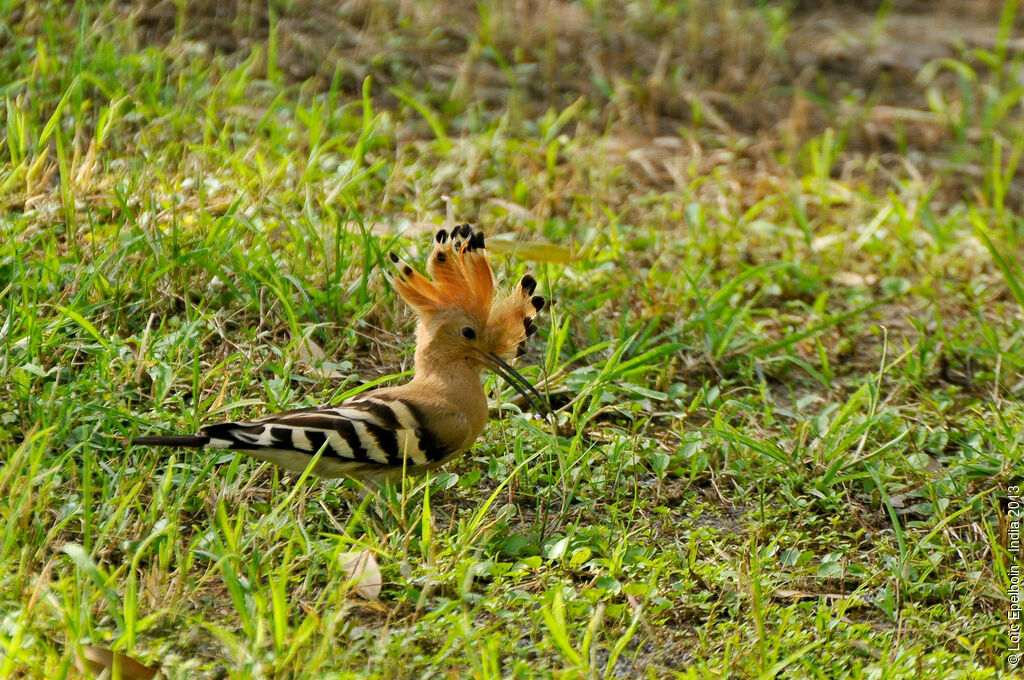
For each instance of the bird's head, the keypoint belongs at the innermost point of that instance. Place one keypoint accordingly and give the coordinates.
(461, 315)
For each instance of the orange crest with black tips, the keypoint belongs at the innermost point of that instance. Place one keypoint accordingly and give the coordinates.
(461, 277)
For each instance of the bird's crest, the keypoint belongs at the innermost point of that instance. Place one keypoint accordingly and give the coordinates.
(461, 277)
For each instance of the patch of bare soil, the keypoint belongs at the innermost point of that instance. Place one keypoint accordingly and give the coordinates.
(553, 52)
(760, 80)
(853, 51)
(724, 59)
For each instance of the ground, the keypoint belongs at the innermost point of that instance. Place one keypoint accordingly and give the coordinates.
(782, 246)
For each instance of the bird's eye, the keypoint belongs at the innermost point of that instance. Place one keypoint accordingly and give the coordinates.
(468, 333)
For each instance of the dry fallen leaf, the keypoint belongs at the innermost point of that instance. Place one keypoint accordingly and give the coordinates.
(96, 660)
(313, 356)
(364, 574)
(853, 279)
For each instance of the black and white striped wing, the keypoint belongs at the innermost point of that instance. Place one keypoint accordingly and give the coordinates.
(362, 437)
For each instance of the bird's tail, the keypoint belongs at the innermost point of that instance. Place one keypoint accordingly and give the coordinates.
(190, 440)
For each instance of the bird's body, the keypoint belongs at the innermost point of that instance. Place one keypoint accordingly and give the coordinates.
(385, 433)
(406, 429)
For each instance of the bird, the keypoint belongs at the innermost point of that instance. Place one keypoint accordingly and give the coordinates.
(464, 326)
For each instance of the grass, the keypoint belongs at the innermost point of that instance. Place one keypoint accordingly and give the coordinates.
(786, 350)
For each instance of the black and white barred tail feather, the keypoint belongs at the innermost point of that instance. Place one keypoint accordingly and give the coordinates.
(364, 437)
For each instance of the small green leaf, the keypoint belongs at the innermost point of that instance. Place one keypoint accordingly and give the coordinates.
(580, 556)
(555, 551)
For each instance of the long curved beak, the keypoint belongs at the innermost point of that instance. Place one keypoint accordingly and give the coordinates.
(518, 382)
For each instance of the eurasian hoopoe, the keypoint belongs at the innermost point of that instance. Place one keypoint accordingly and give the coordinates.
(418, 426)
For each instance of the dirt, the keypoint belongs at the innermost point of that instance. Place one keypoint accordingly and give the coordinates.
(836, 51)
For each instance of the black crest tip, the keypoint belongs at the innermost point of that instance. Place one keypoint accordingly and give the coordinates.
(538, 302)
(441, 236)
(478, 240)
(528, 284)
(394, 258)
